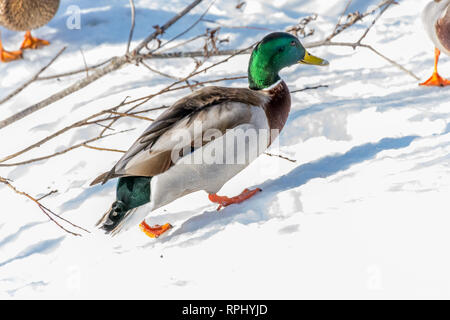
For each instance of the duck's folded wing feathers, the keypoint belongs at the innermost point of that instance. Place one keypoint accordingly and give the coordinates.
(213, 107)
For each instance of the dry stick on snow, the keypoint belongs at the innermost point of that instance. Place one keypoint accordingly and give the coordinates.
(36, 76)
(113, 65)
(50, 214)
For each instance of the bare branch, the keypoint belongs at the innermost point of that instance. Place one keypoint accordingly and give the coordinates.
(103, 149)
(82, 144)
(279, 156)
(47, 195)
(188, 29)
(26, 84)
(310, 88)
(50, 214)
(133, 18)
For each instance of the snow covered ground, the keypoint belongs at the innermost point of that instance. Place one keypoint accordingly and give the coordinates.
(362, 213)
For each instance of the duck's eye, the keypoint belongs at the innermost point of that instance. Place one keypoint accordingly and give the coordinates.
(293, 43)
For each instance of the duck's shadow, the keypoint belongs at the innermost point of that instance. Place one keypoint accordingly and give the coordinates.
(256, 209)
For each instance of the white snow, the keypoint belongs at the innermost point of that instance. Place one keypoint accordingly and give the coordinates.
(362, 213)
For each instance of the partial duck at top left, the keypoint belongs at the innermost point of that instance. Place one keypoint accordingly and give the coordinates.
(25, 15)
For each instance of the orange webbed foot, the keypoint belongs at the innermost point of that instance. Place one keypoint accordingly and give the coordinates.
(31, 42)
(436, 81)
(224, 201)
(8, 56)
(155, 231)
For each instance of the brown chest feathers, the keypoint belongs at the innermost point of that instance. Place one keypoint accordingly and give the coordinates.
(278, 108)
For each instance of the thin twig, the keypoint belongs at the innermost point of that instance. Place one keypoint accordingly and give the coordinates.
(374, 21)
(354, 45)
(47, 195)
(159, 72)
(133, 18)
(103, 149)
(341, 16)
(239, 27)
(280, 156)
(131, 116)
(82, 144)
(85, 63)
(73, 72)
(45, 210)
(187, 29)
(26, 84)
(311, 88)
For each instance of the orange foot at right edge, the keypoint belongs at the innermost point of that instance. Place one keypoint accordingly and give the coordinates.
(436, 81)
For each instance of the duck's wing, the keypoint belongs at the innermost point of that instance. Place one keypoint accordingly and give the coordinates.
(216, 108)
(443, 28)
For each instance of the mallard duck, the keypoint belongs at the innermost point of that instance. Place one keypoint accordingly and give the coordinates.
(436, 19)
(197, 144)
(25, 15)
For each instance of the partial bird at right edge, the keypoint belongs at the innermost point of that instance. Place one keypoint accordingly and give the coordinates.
(436, 20)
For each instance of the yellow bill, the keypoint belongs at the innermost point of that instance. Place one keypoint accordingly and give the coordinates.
(310, 59)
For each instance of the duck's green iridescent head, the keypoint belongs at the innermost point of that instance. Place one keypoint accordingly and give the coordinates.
(276, 51)
(131, 193)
